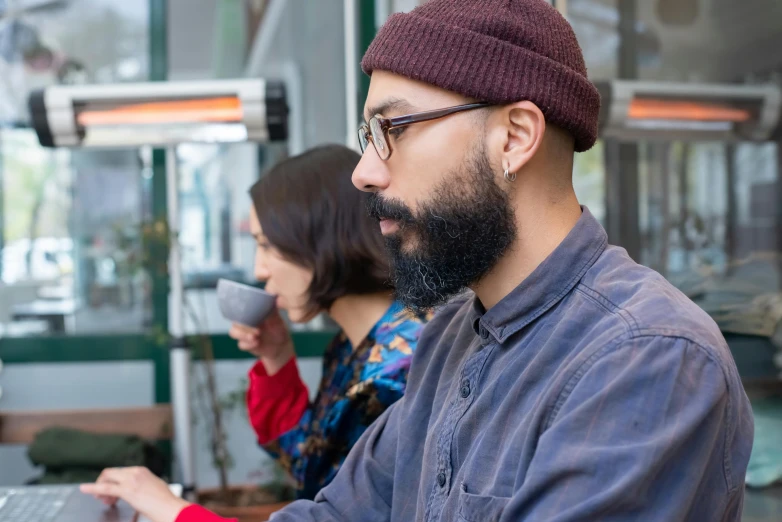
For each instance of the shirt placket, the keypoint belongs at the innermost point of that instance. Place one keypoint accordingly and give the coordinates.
(462, 396)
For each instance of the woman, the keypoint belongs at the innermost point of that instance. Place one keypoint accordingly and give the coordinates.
(318, 251)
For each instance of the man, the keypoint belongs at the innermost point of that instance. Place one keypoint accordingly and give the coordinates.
(574, 384)
(571, 384)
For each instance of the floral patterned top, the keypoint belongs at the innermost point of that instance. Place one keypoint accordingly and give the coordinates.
(311, 440)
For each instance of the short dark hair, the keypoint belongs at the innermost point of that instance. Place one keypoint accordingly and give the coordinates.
(311, 212)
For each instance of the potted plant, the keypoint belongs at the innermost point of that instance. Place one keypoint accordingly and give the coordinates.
(249, 502)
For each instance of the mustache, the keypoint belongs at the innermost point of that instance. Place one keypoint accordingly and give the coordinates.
(380, 208)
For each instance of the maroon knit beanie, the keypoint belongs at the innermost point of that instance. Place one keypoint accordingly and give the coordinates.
(497, 51)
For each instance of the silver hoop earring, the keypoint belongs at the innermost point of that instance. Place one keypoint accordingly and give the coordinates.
(510, 178)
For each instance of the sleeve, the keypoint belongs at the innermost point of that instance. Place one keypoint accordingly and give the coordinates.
(363, 487)
(641, 432)
(195, 513)
(313, 459)
(275, 403)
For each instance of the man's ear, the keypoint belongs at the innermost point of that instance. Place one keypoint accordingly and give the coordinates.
(523, 127)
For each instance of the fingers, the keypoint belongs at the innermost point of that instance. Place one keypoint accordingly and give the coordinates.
(240, 332)
(98, 489)
(110, 485)
(248, 338)
(235, 332)
(106, 492)
(116, 483)
(273, 317)
(116, 475)
(248, 346)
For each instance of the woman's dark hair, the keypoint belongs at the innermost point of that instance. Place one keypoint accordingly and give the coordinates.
(311, 212)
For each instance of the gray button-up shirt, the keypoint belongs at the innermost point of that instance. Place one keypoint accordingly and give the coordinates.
(594, 391)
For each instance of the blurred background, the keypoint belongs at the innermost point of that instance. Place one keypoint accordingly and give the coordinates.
(84, 299)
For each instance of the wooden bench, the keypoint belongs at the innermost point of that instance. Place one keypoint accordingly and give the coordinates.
(149, 423)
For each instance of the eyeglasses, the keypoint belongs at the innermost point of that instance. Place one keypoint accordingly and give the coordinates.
(376, 131)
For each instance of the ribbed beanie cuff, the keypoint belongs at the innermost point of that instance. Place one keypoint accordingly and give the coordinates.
(494, 51)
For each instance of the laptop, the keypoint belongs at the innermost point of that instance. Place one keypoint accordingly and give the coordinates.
(58, 504)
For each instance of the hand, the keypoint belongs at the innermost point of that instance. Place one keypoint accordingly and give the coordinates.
(146, 493)
(270, 341)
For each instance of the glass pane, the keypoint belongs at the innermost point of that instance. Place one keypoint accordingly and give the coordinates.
(589, 181)
(214, 183)
(71, 242)
(85, 41)
(710, 226)
(681, 40)
(297, 41)
(215, 205)
(304, 46)
(704, 214)
(595, 23)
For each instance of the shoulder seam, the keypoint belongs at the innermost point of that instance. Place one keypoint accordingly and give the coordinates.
(610, 306)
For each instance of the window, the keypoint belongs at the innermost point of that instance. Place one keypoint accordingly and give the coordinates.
(303, 45)
(71, 239)
(704, 214)
(709, 222)
(57, 44)
(69, 220)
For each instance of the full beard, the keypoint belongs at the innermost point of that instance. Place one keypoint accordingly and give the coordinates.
(454, 239)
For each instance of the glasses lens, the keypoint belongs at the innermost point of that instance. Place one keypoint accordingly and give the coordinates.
(379, 139)
(363, 138)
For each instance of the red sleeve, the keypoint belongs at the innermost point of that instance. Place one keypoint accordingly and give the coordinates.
(275, 403)
(196, 513)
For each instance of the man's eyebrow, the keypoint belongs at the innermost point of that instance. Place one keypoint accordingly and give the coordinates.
(391, 104)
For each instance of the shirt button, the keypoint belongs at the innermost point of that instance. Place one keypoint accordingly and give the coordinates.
(465, 389)
(484, 333)
(441, 479)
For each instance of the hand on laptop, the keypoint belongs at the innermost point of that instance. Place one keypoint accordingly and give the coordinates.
(148, 495)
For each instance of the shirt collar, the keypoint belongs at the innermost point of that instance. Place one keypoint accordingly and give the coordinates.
(557, 275)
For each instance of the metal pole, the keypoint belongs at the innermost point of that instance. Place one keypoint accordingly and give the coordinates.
(665, 157)
(180, 355)
(351, 72)
(779, 203)
(382, 12)
(684, 199)
(731, 218)
(2, 206)
(264, 37)
(561, 6)
(622, 158)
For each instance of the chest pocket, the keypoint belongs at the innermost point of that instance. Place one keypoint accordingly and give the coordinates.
(480, 508)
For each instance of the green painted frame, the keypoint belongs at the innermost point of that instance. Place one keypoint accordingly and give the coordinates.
(366, 33)
(158, 72)
(132, 347)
